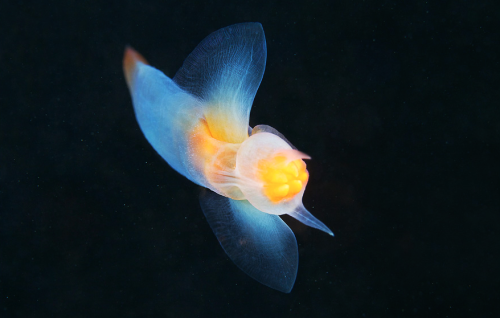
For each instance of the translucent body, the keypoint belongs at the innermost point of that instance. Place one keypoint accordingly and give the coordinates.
(198, 122)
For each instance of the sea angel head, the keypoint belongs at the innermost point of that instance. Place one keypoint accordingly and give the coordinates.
(273, 175)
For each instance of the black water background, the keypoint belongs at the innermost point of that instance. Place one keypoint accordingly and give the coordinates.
(397, 103)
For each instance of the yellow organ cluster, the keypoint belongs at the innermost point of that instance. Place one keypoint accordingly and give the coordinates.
(282, 179)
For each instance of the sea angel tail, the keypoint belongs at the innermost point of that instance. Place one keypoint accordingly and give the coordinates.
(301, 214)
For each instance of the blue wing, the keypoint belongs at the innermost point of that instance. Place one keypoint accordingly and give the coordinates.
(165, 114)
(224, 71)
(260, 244)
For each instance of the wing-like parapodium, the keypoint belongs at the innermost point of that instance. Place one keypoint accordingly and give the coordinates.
(260, 244)
(224, 71)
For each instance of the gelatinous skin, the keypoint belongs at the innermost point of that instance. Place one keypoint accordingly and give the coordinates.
(198, 122)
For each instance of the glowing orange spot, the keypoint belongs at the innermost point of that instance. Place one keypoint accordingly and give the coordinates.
(295, 186)
(223, 125)
(130, 58)
(303, 177)
(215, 159)
(279, 191)
(202, 141)
(292, 170)
(275, 177)
(282, 180)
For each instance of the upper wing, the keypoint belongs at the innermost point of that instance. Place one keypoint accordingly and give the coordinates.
(260, 244)
(225, 71)
(164, 111)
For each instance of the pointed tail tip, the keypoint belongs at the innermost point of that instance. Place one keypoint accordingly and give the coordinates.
(130, 59)
(327, 231)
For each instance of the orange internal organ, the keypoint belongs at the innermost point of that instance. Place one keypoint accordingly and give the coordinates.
(202, 142)
(282, 179)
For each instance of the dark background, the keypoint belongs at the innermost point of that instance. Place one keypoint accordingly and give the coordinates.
(396, 102)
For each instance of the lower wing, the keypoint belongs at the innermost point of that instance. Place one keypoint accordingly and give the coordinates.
(260, 244)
